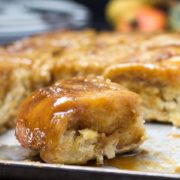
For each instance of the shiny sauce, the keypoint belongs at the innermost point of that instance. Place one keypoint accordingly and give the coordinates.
(142, 160)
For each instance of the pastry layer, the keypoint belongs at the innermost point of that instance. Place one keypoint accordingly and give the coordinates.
(79, 119)
(54, 56)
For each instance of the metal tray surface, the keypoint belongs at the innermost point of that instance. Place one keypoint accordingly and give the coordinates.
(157, 158)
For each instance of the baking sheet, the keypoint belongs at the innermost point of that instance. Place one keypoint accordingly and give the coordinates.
(158, 157)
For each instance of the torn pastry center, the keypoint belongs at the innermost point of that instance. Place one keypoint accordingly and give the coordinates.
(78, 146)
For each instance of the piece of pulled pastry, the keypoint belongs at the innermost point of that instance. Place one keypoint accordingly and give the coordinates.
(79, 119)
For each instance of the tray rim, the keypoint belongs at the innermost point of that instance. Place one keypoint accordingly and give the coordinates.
(83, 169)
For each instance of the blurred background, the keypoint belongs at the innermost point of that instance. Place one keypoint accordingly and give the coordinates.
(20, 18)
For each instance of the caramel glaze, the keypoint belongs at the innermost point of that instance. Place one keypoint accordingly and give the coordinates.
(141, 160)
(48, 113)
(131, 161)
(157, 74)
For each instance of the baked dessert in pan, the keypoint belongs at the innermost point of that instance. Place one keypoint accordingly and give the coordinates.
(145, 63)
(79, 119)
(15, 86)
(153, 71)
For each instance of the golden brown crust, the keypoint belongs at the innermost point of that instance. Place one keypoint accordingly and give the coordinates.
(77, 104)
(71, 98)
(152, 74)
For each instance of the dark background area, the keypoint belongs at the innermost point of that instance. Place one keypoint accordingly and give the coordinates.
(97, 8)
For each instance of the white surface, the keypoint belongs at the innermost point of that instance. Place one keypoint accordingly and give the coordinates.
(10, 149)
